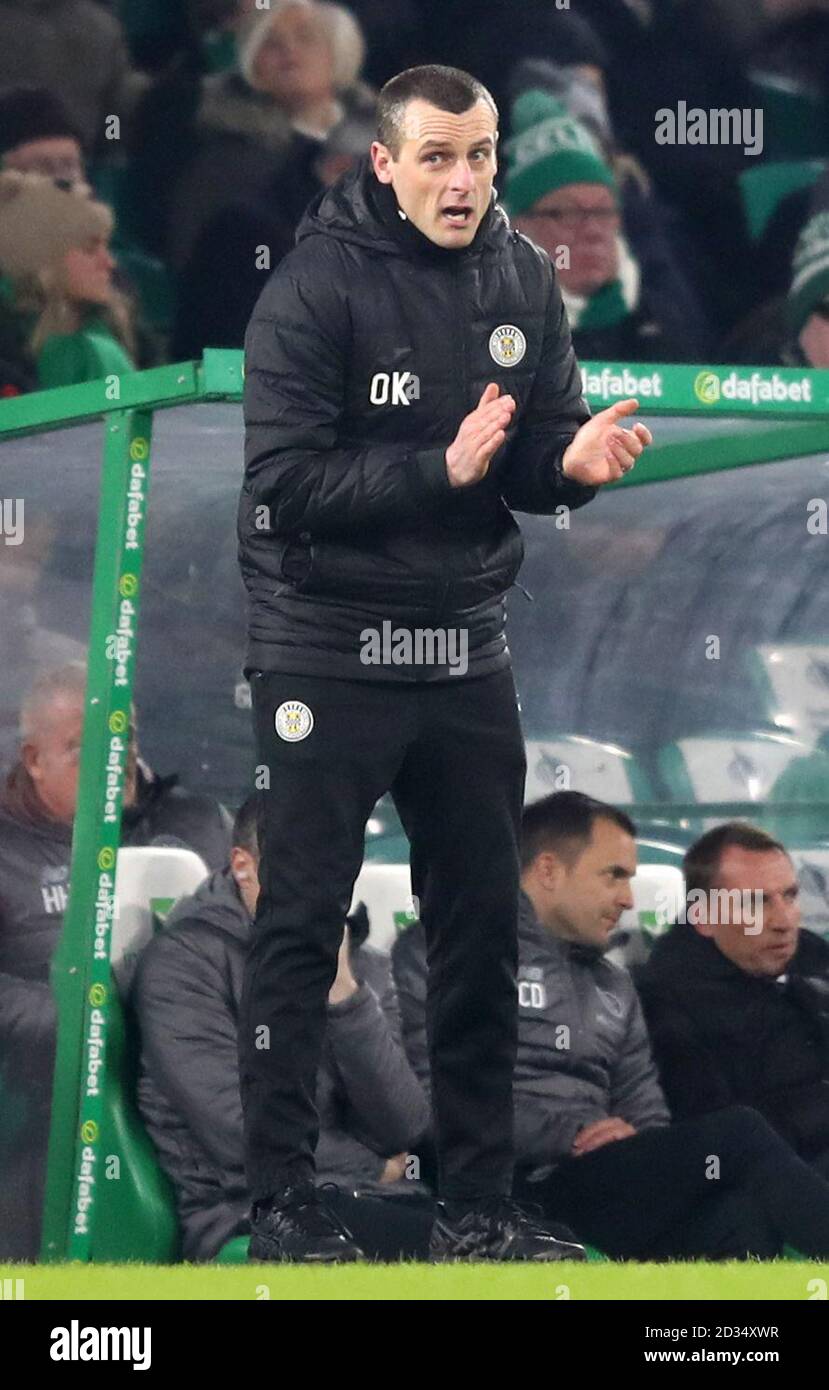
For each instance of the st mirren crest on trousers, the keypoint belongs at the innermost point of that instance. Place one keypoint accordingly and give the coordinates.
(507, 345)
(293, 721)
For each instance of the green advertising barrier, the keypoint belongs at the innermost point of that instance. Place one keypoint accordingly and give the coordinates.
(81, 974)
(781, 413)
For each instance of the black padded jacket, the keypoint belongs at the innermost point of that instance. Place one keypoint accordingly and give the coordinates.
(367, 348)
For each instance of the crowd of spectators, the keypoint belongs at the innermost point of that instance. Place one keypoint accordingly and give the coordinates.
(199, 130)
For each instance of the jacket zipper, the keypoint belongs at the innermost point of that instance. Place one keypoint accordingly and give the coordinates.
(460, 320)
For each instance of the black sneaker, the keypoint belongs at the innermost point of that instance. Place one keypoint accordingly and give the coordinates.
(497, 1229)
(297, 1226)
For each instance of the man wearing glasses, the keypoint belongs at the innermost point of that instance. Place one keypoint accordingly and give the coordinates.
(563, 195)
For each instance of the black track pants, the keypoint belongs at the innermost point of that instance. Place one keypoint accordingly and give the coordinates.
(452, 755)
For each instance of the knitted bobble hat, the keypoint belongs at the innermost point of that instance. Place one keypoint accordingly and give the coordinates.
(548, 150)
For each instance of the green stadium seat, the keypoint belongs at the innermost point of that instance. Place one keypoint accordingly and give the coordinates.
(727, 768)
(764, 188)
(570, 762)
(154, 284)
(803, 783)
(792, 680)
(794, 121)
(812, 865)
(136, 1213)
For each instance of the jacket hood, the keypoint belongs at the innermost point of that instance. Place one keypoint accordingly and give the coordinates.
(348, 211)
(215, 903)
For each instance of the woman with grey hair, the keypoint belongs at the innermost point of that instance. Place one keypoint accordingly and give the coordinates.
(296, 80)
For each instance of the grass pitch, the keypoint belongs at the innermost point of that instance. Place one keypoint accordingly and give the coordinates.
(779, 1280)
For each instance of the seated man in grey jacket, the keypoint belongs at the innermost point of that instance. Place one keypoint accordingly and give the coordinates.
(594, 1142)
(372, 1107)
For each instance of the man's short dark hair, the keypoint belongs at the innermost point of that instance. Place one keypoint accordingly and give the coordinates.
(702, 861)
(245, 826)
(449, 89)
(563, 822)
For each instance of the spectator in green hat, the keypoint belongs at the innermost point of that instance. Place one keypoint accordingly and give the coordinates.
(807, 307)
(563, 195)
(792, 328)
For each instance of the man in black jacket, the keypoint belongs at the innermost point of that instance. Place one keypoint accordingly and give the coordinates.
(372, 1108)
(409, 382)
(739, 1015)
(594, 1142)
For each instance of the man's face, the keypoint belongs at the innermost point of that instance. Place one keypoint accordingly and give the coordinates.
(58, 157)
(52, 756)
(585, 899)
(583, 217)
(87, 272)
(443, 174)
(770, 875)
(294, 63)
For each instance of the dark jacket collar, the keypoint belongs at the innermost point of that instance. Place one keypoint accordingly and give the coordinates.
(683, 953)
(359, 209)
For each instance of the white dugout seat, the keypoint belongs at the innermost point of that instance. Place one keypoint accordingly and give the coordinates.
(658, 891)
(574, 763)
(744, 768)
(148, 881)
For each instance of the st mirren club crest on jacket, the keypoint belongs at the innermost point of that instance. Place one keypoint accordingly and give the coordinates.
(53, 888)
(507, 345)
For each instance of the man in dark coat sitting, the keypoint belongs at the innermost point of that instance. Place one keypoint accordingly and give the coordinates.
(737, 1015)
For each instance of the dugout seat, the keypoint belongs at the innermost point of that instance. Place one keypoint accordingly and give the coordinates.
(658, 896)
(812, 865)
(723, 767)
(148, 881)
(793, 681)
(763, 189)
(386, 890)
(135, 1217)
(798, 809)
(570, 762)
